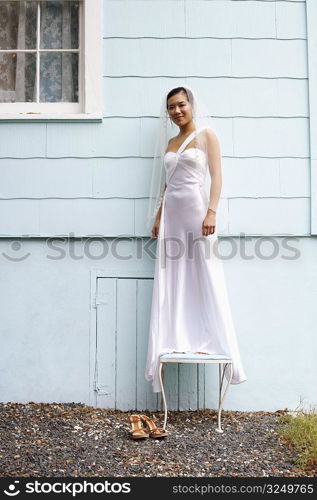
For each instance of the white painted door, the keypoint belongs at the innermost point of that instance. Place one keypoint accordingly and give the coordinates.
(123, 307)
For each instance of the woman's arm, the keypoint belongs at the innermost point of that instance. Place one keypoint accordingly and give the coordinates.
(214, 163)
(158, 215)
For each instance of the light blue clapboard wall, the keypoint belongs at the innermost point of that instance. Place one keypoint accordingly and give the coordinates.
(83, 179)
(94, 177)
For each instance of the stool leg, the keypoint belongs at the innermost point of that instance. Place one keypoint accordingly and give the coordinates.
(222, 397)
(163, 394)
(162, 384)
(219, 398)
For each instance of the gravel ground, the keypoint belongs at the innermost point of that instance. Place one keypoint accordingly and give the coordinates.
(56, 440)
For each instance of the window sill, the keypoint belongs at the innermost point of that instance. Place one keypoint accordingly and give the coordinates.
(40, 117)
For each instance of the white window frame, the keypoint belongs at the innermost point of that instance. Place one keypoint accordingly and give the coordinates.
(90, 77)
(311, 12)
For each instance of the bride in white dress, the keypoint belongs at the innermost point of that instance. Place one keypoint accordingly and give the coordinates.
(190, 309)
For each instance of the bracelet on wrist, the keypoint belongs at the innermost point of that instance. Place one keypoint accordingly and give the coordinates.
(214, 211)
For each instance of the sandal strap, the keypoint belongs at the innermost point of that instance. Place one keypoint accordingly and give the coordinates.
(136, 423)
(139, 433)
(158, 432)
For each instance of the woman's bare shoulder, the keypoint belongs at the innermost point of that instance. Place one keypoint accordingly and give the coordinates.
(172, 140)
(210, 134)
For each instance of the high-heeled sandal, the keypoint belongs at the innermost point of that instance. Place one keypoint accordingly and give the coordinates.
(137, 430)
(155, 432)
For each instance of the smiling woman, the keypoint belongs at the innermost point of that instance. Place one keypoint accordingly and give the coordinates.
(178, 108)
(190, 310)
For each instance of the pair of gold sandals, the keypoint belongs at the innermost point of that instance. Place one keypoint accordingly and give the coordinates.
(149, 429)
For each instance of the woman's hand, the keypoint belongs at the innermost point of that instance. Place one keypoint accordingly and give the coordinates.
(155, 229)
(209, 224)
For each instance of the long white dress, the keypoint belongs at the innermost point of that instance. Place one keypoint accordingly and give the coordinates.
(190, 311)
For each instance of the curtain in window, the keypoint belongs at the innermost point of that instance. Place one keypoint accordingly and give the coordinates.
(58, 71)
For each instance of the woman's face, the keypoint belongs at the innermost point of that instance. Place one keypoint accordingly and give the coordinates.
(179, 109)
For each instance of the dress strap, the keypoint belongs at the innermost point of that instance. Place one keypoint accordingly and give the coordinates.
(187, 141)
(189, 138)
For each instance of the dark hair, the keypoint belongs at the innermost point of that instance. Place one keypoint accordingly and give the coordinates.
(174, 91)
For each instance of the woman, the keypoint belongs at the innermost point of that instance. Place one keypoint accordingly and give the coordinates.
(190, 309)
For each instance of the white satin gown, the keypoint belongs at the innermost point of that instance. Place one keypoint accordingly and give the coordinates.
(190, 311)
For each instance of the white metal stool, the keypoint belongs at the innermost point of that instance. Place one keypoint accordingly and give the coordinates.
(223, 361)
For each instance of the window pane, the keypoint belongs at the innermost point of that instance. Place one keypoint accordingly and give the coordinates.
(59, 29)
(17, 77)
(59, 25)
(18, 25)
(59, 77)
